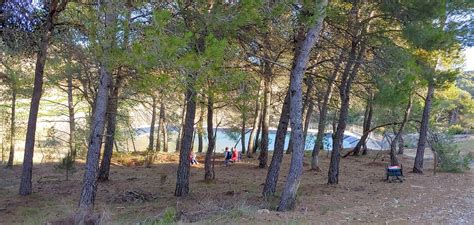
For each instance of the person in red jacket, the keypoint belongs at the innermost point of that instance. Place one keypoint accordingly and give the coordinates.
(235, 155)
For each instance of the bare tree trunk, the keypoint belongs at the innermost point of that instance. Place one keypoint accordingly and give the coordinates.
(26, 175)
(159, 130)
(323, 114)
(263, 157)
(164, 129)
(182, 181)
(288, 197)
(243, 131)
(200, 129)
(181, 128)
(401, 144)
(112, 109)
(365, 128)
(208, 175)
(398, 136)
(89, 185)
(11, 156)
(72, 121)
(258, 138)
(420, 150)
(256, 122)
(274, 169)
(151, 138)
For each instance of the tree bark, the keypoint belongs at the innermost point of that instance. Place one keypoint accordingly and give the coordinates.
(323, 114)
(398, 136)
(180, 134)
(365, 127)
(401, 144)
(25, 184)
(112, 109)
(288, 197)
(208, 175)
(72, 120)
(182, 180)
(420, 150)
(200, 129)
(256, 122)
(11, 156)
(243, 132)
(273, 171)
(159, 130)
(89, 186)
(151, 138)
(263, 157)
(164, 129)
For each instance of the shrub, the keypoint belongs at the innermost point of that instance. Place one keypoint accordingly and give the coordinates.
(450, 158)
(455, 129)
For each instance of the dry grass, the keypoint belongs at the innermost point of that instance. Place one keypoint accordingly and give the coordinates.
(235, 197)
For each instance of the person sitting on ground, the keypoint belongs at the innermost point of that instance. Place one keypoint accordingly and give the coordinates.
(192, 158)
(235, 155)
(227, 156)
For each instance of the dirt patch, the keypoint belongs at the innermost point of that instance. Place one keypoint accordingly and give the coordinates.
(138, 194)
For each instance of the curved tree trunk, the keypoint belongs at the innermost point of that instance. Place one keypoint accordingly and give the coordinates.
(398, 136)
(256, 123)
(420, 150)
(112, 110)
(365, 127)
(323, 114)
(401, 144)
(263, 157)
(274, 169)
(288, 197)
(182, 180)
(208, 175)
(89, 185)
(26, 175)
(11, 156)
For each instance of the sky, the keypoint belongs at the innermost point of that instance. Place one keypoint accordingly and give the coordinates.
(469, 59)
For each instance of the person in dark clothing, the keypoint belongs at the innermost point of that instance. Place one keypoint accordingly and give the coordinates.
(227, 156)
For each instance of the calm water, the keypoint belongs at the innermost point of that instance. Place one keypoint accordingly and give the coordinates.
(229, 138)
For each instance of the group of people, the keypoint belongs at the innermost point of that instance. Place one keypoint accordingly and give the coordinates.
(231, 156)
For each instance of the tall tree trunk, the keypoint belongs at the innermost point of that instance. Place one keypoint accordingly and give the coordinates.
(182, 180)
(344, 92)
(279, 147)
(323, 114)
(258, 137)
(256, 121)
(181, 128)
(263, 157)
(288, 197)
(401, 144)
(159, 130)
(210, 139)
(164, 129)
(425, 119)
(398, 136)
(72, 120)
(112, 109)
(200, 129)
(11, 156)
(89, 185)
(26, 175)
(151, 138)
(243, 131)
(365, 128)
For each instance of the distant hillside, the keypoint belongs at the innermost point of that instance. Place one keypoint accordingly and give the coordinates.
(466, 82)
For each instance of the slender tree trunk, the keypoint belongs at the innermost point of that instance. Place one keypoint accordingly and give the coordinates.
(11, 156)
(180, 134)
(288, 197)
(256, 121)
(258, 138)
(401, 144)
(112, 109)
(164, 129)
(263, 157)
(159, 130)
(182, 181)
(72, 121)
(26, 175)
(398, 136)
(368, 124)
(208, 175)
(420, 150)
(89, 185)
(366, 127)
(201, 129)
(243, 131)
(274, 169)
(323, 114)
(151, 139)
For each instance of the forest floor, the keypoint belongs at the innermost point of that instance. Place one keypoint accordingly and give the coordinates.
(139, 195)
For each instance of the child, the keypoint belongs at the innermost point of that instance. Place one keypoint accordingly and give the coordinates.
(235, 155)
(227, 156)
(192, 158)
